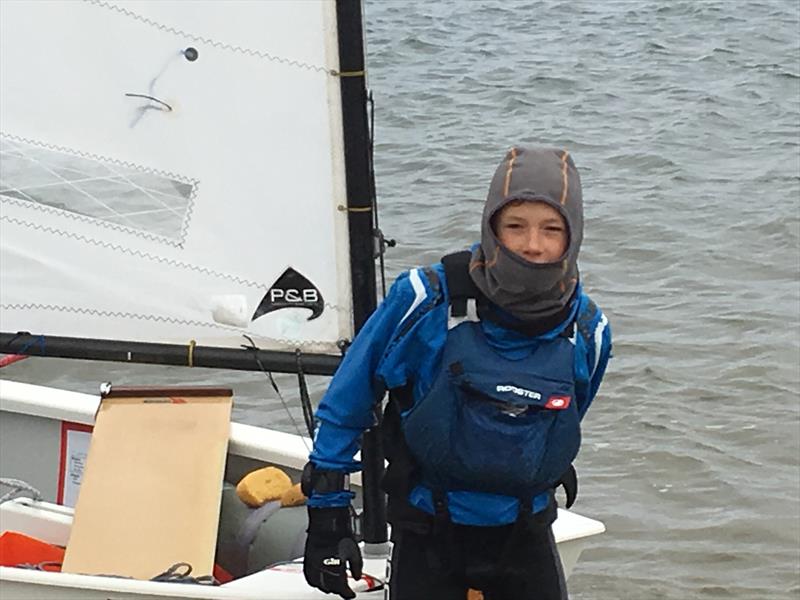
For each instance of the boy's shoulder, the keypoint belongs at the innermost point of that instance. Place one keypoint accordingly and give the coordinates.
(593, 328)
(415, 296)
(588, 310)
(422, 281)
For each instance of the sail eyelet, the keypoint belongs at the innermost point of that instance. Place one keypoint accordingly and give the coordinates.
(191, 54)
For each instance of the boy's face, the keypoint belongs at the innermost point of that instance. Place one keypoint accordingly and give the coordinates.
(534, 231)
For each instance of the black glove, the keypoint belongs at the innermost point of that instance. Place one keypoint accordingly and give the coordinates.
(330, 548)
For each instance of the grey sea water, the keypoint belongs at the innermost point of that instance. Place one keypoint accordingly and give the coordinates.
(684, 119)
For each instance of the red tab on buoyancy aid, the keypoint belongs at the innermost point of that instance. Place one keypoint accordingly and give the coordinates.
(558, 402)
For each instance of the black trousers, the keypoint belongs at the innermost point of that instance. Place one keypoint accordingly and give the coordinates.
(510, 562)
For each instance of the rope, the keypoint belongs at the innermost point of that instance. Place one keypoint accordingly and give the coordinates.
(7, 360)
(42, 566)
(255, 349)
(305, 399)
(383, 243)
(20, 489)
(177, 573)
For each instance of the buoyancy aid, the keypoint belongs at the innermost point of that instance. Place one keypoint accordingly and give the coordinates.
(406, 466)
(493, 424)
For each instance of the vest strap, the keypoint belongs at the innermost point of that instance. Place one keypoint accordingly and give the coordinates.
(459, 284)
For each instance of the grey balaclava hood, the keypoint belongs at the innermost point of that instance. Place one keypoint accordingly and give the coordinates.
(527, 290)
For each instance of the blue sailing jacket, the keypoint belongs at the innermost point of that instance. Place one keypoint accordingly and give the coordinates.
(404, 342)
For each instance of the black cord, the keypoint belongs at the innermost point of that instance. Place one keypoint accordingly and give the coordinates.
(305, 399)
(39, 338)
(255, 349)
(40, 566)
(152, 98)
(177, 573)
(381, 241)
(180, 573)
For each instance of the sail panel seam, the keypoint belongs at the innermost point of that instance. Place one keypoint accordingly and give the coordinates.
(139, 253)
(156, 318)
(152, 257)
(215, 43)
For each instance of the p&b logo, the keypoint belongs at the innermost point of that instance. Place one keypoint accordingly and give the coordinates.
(291, 290)
(294, 296)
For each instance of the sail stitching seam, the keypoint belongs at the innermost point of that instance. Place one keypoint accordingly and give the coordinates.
(194, 183)
(151, 257)
(210, 42)
(128, 315)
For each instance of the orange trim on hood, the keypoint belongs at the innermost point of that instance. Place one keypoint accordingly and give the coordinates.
(564, 178)
(507, 183)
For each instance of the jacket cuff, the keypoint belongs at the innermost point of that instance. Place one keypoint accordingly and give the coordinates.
(332, 500)
(335, 522)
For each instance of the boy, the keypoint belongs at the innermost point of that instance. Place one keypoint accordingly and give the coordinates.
(492, 358)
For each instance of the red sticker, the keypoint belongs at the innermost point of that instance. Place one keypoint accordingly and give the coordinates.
(558, 402)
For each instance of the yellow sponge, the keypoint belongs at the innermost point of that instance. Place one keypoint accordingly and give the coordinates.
(263, 485)
(293, 497)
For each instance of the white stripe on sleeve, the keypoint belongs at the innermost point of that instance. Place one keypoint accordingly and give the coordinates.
(598, 342)
(419, 290)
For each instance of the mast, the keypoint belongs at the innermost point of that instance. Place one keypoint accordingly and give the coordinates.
(362, 235)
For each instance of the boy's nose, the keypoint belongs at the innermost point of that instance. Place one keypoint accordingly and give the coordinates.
(534, 245)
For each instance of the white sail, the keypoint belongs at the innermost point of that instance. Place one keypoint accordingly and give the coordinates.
(164, 164)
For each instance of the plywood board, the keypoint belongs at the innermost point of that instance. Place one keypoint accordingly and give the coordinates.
(151, 489)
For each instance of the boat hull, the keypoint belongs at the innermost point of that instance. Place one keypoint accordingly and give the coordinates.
(33, 448)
